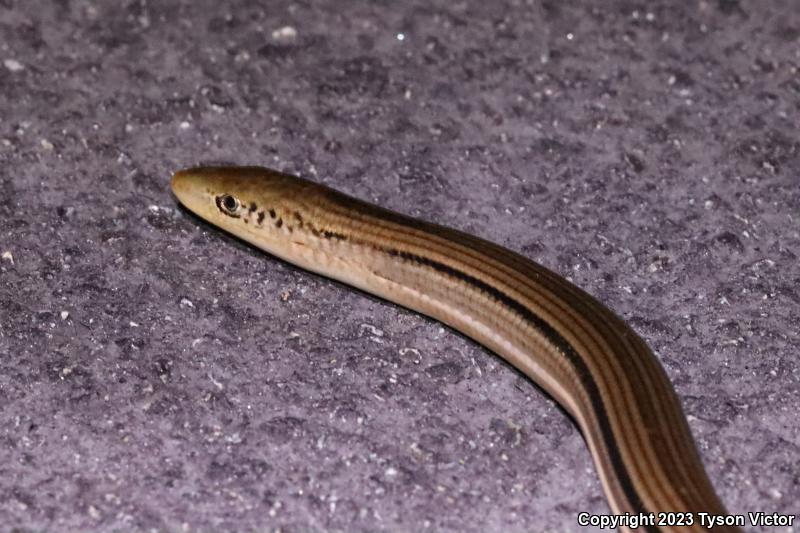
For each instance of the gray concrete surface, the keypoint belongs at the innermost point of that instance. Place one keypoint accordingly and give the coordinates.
(156, 375)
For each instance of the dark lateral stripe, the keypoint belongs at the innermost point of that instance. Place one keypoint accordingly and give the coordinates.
(557, 340)
(418, 233)
(577, 298)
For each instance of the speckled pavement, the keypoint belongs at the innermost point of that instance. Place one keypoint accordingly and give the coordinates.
(159, 376)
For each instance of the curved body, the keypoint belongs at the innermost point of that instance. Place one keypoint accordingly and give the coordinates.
(572, 346)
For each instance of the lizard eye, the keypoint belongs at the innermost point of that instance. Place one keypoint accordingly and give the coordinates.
(228, 203)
